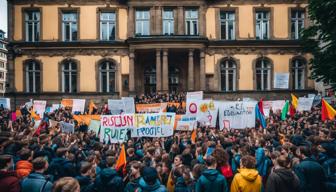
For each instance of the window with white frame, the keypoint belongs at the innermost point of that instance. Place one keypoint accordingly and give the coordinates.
(262, 25)
(297, 23)
(263, 74)
(69, 26)
(2, 87)
(107, 26)
(227, 21)
(228, 72)
(107, 73)
(2, 75)
(33, 77)
(32, 26)
(168, 22)
(298, 73)
(142, 18)
(2, 64)
(173, 78)
(69, 77)
(150, 79)
(191, 22)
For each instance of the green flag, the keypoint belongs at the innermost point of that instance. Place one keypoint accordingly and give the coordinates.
(284, 111)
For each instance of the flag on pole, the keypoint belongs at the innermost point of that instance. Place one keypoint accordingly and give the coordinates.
(121, 162)
(261, 106)
(259, 116)
(284, 111)
(193, 136)
(327, 112)
(294, 105)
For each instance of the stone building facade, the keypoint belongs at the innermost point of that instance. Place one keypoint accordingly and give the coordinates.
(110, 48)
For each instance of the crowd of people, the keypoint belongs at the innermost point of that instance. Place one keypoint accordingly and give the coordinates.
(296, 154)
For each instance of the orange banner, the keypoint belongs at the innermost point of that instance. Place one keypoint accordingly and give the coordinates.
(67, 102)
(151, 108)
(86, 119)
(177, 105)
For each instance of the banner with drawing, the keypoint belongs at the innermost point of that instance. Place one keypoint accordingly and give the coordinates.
(274, 105)
(39, 107)
(113, 128)
(151, 108)
(205, 110)
(185, 122)
(237, 115)
(305, 104)
(153, 125)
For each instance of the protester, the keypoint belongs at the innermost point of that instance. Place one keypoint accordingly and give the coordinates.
(9, 181)
(247, 179)
(297, 153)
(37, 181)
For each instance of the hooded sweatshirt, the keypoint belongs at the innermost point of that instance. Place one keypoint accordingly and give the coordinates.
(282, 180)
(145, 187)
(211, 180)
(246, 180)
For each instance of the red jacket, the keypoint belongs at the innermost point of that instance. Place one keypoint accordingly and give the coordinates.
(23, 168)
(9, 182)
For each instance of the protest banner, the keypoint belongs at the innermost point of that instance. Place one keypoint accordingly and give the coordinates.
(114, 127)
(67, 127)
(281, 80)
(5, 103)
(151, 108)
(117, 107)
(274, 105)
(317, 100)
(86, 119)
(305, 104)
(37, 124)
(128, 104)
(237, 115)
(185, 122)
(78, 105)
(67, 103)
(39, 107)
(205, 110)
(196, 95)
(29, 104)
(94, 126)
(52, 123)
(177, 105)
(153, 125)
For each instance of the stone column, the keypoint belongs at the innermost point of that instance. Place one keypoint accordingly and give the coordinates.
(180, 21)
(131, 72)
(130, 23)
(165, 86)
(191, 70)
(158, 71)
(202, 70)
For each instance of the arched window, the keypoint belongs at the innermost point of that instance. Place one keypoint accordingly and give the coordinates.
(33, 76)
(298, 73)
(174, 78)
(228, 72)
(69, 77)
(263, 74)
(107, 71)
(150, 79)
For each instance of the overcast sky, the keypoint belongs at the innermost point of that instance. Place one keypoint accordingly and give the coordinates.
(3, 15)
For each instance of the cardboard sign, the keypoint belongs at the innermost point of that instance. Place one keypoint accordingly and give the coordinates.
(151, 108)
(114, 127)
(153, 125)
(237, 115)
(274, 105)
(39, 107)
(129, 104)
(67, 103)
(94, 126)
(305, 104)
(67, 127)
(78, 105)
(205, 110)
(117, 107)
(5, 103)
(185, 122)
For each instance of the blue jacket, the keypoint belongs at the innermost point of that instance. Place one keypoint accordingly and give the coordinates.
(211, 180)
(235, 162)
(60, 167)
(263, 162)
(157, 187)
(311, 175)
(34, 182)
(86, 185)
(181, 186)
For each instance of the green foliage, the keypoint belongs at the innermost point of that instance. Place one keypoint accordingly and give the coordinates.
(320, 40)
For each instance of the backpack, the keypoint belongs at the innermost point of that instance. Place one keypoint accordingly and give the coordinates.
(226, 171)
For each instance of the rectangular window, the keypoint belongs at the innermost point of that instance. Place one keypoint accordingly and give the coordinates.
(191, 22)
(227, 21)
(32, 26)
(2, 75)
(297, 23)
(2, 64)
(142, 22)
(262, 25)
(168, 22)
(69, 26)
(107, 26)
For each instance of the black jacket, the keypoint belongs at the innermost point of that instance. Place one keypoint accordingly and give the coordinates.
(282, 179)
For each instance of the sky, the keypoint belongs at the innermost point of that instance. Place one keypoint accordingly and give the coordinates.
(3, 15)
